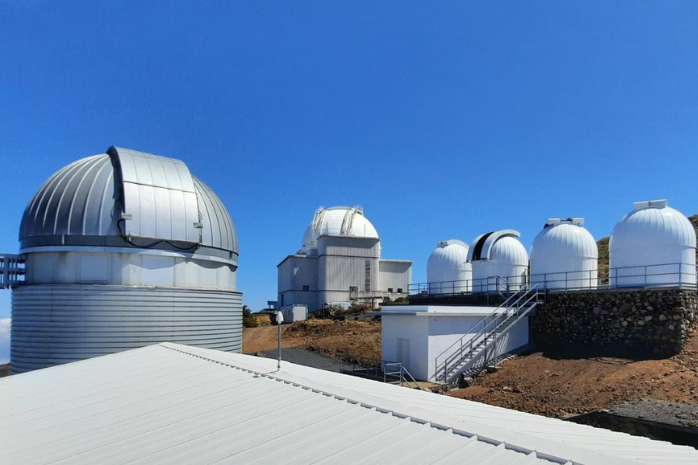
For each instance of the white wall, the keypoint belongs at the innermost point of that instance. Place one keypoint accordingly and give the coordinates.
(414, 329)
(395, 275)
(129, 269)
(432, 330)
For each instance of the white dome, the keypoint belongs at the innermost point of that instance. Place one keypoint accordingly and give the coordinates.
(653, 244)
(499, 261)
(564, 255)
(337, 221)
(448, 270)
(509, 251)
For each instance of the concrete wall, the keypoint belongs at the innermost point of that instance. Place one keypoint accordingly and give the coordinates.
(415, 330)
(395, 275)
(295, 272)
(654, 321)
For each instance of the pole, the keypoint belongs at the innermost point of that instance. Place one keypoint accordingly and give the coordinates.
(279, 320)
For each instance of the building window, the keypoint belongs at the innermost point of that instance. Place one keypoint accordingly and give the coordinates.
(399, 290)
(353, 291)
(306, 288)
(390, 289)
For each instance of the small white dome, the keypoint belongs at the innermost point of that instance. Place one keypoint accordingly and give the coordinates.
(564, 255)
(448, 269)
(653, 244)
(499, 261)
(337, 221)
(510, 251)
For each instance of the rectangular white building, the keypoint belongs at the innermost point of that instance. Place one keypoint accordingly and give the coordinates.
(421, 337)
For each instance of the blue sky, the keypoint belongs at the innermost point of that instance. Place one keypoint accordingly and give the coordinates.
(442, 121)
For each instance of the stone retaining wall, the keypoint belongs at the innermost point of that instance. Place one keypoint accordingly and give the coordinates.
(648, 320)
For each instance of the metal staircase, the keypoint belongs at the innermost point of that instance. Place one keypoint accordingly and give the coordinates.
(473, 352)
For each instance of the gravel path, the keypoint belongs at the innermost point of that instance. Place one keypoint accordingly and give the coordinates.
(672, 413)
(304, 357)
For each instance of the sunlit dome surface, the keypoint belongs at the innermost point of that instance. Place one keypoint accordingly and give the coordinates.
(564, 255)
(124, 193)
(653, 244)
(448, 262)
(563, 240)
(653, 224)
(337, 221)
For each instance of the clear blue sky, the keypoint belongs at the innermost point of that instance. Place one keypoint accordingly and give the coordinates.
(443, 120)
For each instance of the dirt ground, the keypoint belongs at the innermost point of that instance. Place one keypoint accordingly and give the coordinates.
(540, 383)
(341, 340)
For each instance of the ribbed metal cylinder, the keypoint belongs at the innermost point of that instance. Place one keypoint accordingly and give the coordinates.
(54, 323)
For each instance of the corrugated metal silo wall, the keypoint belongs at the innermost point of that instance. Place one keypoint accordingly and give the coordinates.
(54, 324)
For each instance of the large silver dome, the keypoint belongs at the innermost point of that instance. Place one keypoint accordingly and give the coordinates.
(126, 198)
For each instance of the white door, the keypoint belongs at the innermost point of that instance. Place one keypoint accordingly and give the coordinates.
(403, 352)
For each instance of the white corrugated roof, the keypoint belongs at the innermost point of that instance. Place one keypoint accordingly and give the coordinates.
(170, 403)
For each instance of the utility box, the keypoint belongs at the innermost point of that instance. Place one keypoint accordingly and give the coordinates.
(293, 313)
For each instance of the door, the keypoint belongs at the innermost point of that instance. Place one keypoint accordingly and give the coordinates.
(403, 352)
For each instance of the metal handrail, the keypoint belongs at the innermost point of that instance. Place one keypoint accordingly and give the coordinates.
(401, 372)
(682, 275)
(525, 298)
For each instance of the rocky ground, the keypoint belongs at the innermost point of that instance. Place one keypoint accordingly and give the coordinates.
(550, 385)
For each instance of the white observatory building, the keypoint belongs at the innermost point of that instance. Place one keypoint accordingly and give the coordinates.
(339, 263)
(564, 255)
(124, 249)
(499, 261)
(654, 244)
(448, 269)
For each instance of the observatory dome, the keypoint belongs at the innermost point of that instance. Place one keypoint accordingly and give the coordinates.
(448, 269)
(564, 255)
(499, 261)
(102, 199)
(653, 244)
(337, 221)
(122, 250)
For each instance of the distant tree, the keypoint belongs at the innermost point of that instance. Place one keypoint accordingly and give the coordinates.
(248, 321)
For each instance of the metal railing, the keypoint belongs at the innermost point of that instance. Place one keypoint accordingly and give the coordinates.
(455, 358)
(12, 270)
(398, 371)
(660, 275)
(491, 284)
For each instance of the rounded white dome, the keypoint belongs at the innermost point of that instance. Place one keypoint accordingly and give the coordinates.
(448, 269)
(499, 261)
(653, 244)
(337, 221)
(510, 251)
(564, 255)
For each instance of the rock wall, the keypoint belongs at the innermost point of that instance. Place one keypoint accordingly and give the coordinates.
(656, 321)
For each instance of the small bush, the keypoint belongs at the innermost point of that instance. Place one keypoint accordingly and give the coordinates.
(248, 321)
